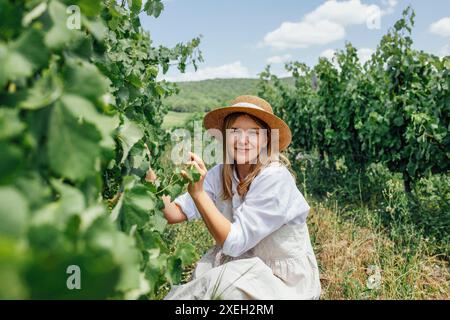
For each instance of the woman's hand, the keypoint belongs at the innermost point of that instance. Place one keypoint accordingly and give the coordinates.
(172, 211)
(195, 188)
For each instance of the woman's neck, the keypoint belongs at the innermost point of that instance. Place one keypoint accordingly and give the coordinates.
(242, 170)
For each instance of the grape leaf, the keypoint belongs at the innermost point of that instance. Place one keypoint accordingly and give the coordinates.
(73, 147)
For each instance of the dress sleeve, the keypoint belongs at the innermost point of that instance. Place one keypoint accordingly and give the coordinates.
(268, 205)
(185, 200)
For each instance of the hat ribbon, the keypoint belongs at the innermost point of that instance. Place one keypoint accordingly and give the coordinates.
(247, 104)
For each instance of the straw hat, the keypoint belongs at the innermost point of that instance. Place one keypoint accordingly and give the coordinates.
(255, 106)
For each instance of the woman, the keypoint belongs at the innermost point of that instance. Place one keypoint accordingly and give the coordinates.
(253, 209)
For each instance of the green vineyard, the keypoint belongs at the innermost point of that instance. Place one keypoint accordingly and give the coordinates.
(393, 110)
(80, 121)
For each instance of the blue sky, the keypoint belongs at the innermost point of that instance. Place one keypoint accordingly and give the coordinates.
(241, 37)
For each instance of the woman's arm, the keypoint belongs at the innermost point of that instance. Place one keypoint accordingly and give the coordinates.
(172, 211)
(215, 221)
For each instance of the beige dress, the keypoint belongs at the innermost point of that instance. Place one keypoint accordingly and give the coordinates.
(280, 266)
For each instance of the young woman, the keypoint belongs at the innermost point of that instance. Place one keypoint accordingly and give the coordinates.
(254, 211)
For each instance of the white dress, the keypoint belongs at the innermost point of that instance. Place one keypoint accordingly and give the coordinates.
(267, 254)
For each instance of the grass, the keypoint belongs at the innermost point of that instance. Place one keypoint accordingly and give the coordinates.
(174, 119)
(348, 254)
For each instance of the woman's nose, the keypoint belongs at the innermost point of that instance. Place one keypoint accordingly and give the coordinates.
(243, 138)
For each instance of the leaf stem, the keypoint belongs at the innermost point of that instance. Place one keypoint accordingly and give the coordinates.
(168, 185)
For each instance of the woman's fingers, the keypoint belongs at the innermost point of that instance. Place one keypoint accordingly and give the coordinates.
(166, 199)
(198, 160)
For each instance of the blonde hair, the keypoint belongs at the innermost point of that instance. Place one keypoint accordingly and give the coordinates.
(255, 168)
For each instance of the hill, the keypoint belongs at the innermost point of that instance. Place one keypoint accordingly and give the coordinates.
(205, 95)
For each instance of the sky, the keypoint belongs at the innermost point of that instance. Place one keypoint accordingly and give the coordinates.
(241, 37)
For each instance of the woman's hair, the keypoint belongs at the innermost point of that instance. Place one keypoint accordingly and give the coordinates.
(255, 168)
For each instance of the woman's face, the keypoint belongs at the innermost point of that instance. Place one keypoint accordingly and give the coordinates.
(245, 139)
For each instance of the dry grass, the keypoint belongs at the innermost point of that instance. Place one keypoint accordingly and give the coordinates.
(348, 254)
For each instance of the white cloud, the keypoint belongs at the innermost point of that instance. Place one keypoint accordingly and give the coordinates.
(364, 55)
(278, 59)
(283, 74)
(392, 3)
(441, 27)
(444, 51)
(328, 53)
(304, 34)
(389, 6)
(232, 70)
(327, 23)
(343, 12)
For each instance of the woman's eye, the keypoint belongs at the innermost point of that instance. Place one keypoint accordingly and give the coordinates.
(251, 133)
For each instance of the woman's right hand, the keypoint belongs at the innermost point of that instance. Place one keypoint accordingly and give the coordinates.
(172, 211)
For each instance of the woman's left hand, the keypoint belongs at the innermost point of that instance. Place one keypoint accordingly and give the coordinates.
(196, 188)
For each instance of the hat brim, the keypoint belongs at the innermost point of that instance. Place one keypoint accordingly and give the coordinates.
(215, 119)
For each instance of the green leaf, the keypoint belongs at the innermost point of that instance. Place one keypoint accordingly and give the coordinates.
(174, 190)
(192, 173)
(89, 8)
(129, 134)
(135, 6)
(32, 184)
(84, 110)
(135, 80)
(11, 261)
(137, 204)
(11, 14)
(71, 200)
(84, 79)
(125, 255)
(46, 90)
(59, 34)
(148, 239)
(13, 212)
(186, 252)
(19, 59)
(73, 146)
(11, 163)
(155, 269)
(154, 8)
(158, 8)
(399, 121)
(174, 270)
(195, 175)
(96, 27)
(10, 125)
(35, 13)
(108, 260)
(158, 221)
